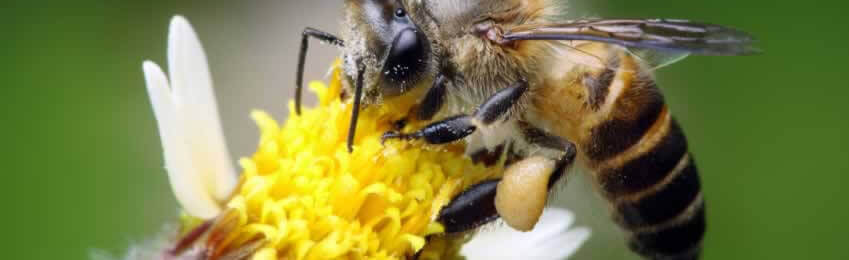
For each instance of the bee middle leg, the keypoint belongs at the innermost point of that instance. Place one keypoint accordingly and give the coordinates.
(460, 126)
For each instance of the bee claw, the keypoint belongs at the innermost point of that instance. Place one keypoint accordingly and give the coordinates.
(390, 135)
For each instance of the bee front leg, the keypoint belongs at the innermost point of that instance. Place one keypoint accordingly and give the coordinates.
(434, 99)
(430, 105)
(460, 126)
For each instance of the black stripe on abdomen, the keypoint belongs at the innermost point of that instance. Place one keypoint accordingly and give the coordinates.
(664, 204)
(648, 169)
(614, 136)
(681, 241)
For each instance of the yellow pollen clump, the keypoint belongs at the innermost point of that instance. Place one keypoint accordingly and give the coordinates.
(303, 196)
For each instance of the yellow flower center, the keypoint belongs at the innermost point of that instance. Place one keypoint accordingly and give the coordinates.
(303, 196)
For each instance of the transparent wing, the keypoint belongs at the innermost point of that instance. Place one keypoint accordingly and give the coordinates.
(674, 37)
(578, 53)
(653, 59)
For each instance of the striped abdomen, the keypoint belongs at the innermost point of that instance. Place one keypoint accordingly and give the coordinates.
(639, 157)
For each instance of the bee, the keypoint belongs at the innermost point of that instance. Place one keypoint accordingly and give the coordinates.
(517, 82)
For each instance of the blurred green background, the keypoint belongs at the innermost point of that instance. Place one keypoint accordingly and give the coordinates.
(769, 131)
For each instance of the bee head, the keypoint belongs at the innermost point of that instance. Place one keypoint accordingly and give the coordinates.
(386, 53)
(388, 43)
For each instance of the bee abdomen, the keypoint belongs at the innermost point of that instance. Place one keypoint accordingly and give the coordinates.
(664, 203)
(650, 167)
(667, 222)
(657, 195)
(679, 241)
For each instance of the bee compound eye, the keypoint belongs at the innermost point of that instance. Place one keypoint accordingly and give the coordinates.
(406, 57)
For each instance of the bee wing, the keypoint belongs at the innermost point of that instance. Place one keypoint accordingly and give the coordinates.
(653, 59)
(649, 58)
(658, 42)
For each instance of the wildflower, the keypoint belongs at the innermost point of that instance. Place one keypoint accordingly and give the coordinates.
(302, 195)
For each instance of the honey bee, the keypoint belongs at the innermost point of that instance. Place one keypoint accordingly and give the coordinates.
(515, 81)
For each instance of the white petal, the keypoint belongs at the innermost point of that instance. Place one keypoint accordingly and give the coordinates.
(552, 222)
(563, 245)
(196, 102)
(550, 239)
(191, 194)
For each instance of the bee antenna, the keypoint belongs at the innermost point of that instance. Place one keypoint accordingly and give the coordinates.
(358, 93)
(302, 55)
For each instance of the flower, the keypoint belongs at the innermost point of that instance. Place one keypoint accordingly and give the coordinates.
(306, 197)
(198, 164)
(551, 239)
(302, 195)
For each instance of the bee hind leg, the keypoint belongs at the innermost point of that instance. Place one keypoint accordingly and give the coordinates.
(460, 126)
(470, 209)
(488, 200)
(509, 197)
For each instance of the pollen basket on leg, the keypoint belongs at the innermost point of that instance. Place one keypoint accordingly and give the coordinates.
(306, 197)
